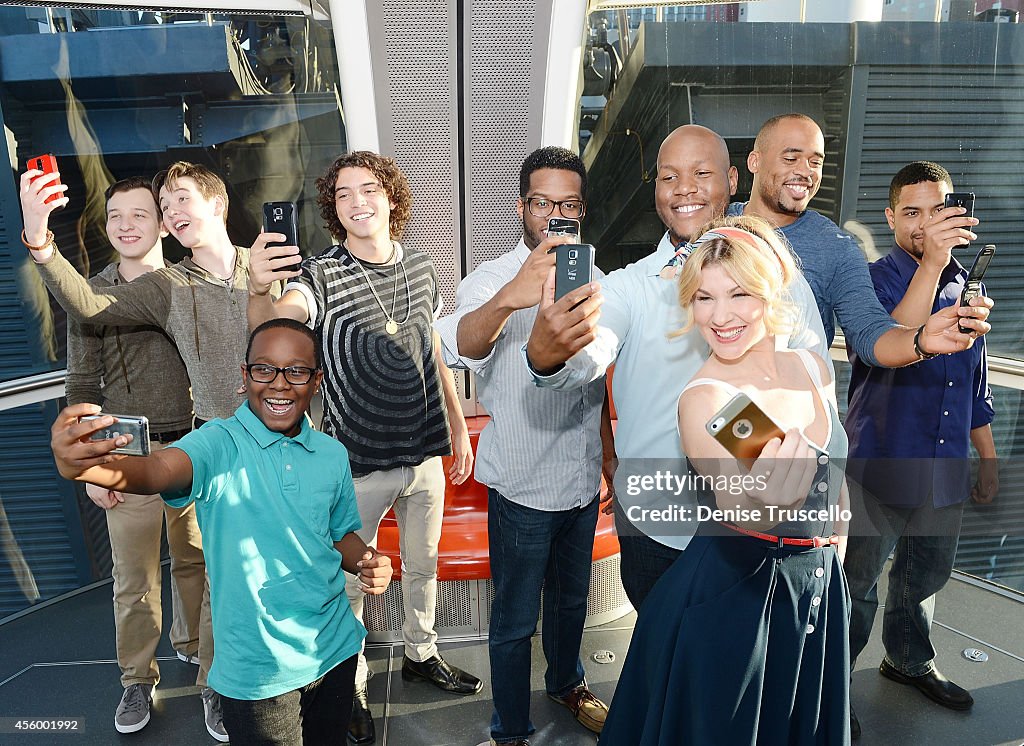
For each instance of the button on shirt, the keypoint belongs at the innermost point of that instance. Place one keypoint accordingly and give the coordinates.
(270, 509)
(542, 448)
(922, 414)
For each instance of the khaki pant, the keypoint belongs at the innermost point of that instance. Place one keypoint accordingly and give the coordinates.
(134, 527)
(417, 494)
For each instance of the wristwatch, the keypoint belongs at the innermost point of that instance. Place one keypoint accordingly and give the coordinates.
(921, 354)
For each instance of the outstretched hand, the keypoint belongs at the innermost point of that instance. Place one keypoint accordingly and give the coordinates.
(942, 335)
(72, 449)
(563, 327)
(267, 264)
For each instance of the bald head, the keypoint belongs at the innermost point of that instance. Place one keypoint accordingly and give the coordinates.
(713, 142)
(787, 161)
(694, 180)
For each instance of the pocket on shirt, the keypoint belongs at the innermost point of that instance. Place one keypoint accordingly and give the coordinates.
(319, 511)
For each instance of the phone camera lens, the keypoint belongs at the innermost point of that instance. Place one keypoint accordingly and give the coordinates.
(742, 429)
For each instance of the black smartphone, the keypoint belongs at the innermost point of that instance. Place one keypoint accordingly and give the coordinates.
(563, 227)
(574, 267)
(743, 428)
(972, 288)
(137, 427)
(282, 217)
(964, 200)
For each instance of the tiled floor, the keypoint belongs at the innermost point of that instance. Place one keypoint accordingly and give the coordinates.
(57, 662)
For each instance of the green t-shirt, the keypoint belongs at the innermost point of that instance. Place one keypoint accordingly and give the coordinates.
(270, 508)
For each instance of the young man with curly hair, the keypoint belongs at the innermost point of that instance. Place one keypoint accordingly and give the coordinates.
(388, 396)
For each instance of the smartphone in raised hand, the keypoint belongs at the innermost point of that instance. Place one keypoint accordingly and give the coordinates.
(135, 426)
(282, 217)
(574, 267)
(972, 288)
(48, 165)
(964, 200)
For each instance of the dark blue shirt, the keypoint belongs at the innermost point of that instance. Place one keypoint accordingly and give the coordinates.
(921, 415)
(836, 270)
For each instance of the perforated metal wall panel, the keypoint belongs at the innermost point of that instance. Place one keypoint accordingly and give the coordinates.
(417, 102)
(504, 70)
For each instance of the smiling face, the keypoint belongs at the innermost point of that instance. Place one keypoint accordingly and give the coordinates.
(362, 204)
(189, 216)
(728, 317)
(133, 223)
(694, 181)
(787, 166)
(281, 405)
(916, 206)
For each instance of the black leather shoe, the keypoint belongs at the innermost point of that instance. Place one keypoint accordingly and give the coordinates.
(854, 725)
(360, 726)
(933, 685)
(438, 672)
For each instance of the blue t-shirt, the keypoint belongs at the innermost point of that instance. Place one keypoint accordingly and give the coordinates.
(270, 508)
(837, 272)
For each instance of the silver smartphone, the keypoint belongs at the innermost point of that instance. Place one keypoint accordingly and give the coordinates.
(125, 424)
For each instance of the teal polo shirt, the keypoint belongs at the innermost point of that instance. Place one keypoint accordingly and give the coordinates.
(270, 508)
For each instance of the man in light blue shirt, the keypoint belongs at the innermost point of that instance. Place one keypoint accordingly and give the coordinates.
(640, 307)
(276, 506)
(540, 457)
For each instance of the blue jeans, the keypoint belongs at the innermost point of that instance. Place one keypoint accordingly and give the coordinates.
(642, 560)
(530, 549)
(924, 540)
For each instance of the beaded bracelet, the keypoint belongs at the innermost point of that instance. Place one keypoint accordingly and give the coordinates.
(47, 243)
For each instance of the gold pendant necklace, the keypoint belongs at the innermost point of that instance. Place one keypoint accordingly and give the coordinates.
(390, 325)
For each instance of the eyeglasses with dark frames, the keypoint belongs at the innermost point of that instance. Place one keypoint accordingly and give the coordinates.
(294, 374)
(541, 207)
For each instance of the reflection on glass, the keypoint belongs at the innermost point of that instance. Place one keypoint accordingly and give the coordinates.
(113, 94)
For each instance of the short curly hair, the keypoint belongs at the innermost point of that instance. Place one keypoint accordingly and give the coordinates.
(396, 186)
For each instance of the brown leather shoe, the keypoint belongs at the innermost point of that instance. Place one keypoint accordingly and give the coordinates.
(589, 711)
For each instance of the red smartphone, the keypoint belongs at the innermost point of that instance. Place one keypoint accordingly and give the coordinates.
(48, 165)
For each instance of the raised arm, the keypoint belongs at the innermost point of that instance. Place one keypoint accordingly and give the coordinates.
(84, 460)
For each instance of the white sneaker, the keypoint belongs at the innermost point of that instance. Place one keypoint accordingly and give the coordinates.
(133, 711)
(193, 659)
(213, 716)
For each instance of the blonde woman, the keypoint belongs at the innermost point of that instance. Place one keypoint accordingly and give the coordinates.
(744, 640)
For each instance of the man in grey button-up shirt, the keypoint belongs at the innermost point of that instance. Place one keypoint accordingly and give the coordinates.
(540, 457)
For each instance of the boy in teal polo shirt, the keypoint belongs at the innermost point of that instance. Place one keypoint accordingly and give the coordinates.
(276, 505)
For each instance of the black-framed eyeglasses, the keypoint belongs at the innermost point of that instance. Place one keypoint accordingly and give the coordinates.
(295, 374)
(541, 207)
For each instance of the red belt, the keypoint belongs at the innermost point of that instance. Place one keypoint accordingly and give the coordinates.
(813, 541)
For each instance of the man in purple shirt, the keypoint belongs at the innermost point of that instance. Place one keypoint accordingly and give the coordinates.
(910, 434)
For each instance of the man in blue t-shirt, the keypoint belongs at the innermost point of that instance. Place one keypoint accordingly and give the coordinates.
(787, 162)
(276, 506)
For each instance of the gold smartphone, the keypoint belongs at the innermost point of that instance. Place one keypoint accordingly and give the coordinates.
(743, 428)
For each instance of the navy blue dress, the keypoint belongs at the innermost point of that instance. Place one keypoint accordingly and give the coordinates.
(741, 642)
